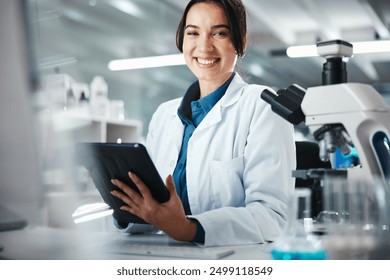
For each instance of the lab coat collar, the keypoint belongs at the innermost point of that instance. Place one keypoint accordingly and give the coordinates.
(232, 95)
(233, 92)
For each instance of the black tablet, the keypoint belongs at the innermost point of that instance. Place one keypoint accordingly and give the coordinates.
(106, 161)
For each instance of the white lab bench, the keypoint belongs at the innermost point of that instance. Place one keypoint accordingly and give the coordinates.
(44, 243)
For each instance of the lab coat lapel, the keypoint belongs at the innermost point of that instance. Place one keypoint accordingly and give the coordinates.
(232, 95)
(176, 129)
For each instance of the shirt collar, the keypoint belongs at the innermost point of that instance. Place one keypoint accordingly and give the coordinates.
(192, 93)
(210, 100)
(207, 102)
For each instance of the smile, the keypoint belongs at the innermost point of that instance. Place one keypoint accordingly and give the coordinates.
(204, 61)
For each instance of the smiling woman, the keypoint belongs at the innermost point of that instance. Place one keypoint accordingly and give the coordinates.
(209, 40)
(226, 156)
(207, 46)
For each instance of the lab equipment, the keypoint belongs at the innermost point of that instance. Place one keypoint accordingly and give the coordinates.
(349, 118)
(307, 155)
(99, 97)
(117, 109)
(357, 222)
(341, 115)
(298, 242)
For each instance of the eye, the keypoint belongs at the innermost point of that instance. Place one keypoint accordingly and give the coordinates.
(221, 33)
(191, 33)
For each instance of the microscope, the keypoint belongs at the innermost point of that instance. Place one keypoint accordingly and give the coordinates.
(341, 116)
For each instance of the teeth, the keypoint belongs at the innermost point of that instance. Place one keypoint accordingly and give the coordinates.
(206, 61)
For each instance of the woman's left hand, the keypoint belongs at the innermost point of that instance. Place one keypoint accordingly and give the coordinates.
(168, 216)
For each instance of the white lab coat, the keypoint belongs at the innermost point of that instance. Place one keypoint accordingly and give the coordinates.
(239, 165)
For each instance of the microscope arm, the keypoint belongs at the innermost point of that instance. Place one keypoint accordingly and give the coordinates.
(362, 113)
(340, 116)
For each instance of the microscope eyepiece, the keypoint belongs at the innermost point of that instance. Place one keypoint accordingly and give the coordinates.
(286, 103)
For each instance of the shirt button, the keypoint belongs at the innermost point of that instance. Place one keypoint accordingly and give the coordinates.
(172, 163)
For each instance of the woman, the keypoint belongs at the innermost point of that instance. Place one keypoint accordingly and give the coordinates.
(229, 155)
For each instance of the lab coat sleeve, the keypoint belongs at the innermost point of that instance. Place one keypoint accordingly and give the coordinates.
(164, 116)
(135, 228)
(152, 131)
(164, 137)
(269, 158)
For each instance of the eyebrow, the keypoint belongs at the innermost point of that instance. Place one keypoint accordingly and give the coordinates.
(213, 27)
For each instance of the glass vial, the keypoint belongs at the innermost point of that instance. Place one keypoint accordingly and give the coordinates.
(298, 242)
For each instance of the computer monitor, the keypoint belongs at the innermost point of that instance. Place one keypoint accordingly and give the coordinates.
(21, 190)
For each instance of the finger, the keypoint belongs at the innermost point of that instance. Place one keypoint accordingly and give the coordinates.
(144, 190)
(126, 199)
(170, 185)
(128, 209)
(125, 188)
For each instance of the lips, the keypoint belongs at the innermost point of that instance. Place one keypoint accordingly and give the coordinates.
(207, 61)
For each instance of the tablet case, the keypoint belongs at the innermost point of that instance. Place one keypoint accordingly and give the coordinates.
(106, 161)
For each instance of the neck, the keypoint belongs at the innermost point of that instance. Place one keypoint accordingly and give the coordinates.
(206, 87)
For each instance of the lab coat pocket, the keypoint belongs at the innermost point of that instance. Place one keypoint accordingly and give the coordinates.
(227, 182)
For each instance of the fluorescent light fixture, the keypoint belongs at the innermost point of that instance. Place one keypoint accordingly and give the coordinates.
(146, 62)
(127, 7)
(358, 48)
(302, 51)
(371, 47)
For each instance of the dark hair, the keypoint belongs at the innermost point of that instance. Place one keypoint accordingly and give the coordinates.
(236, 16)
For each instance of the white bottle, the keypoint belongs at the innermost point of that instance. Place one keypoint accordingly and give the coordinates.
(99, 97)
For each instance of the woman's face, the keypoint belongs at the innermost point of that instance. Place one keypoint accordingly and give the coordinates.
(207, 45)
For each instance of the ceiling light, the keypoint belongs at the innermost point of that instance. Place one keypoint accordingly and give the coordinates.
(302, 51)
(358, 48)
(127, 7)
(371, 46)
(92, 3)
(146, 62)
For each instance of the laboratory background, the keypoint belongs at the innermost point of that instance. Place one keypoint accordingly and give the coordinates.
(96, 70)
(79, 39)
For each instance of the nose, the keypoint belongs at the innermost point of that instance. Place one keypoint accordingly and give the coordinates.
(205, 44)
